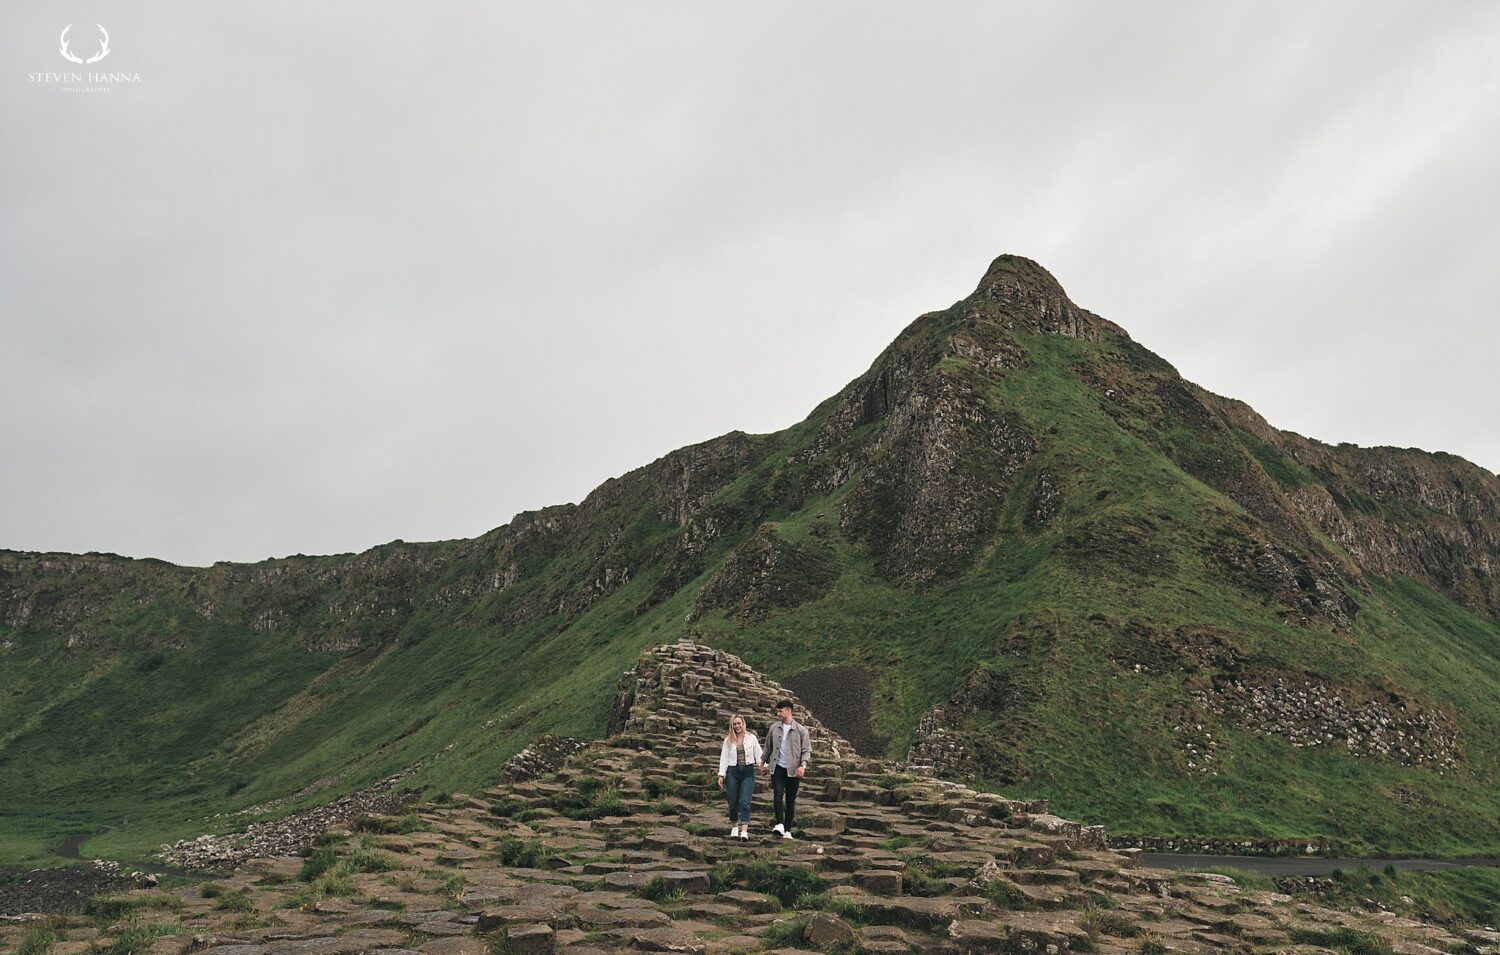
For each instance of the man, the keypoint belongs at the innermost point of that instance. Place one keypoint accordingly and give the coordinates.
(786, 752)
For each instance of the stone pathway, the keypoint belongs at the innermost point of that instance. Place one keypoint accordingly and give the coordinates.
(623, 847)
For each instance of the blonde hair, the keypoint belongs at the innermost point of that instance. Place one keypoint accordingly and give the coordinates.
(730, 735)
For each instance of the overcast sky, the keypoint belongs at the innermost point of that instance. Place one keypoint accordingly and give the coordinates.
(333, 273)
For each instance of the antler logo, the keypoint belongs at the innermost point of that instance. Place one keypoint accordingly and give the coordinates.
(62, 43)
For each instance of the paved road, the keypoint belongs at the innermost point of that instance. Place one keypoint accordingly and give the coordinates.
(1299, 865)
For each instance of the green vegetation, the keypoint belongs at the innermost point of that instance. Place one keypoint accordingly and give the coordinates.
(1249, 881)
(1087, 586)
(318, 863)
(523, 853)
(658, 787)
(237, 901)
(38, 940)
(1097, 921)
(660, 891)
(1469, 895)
(1343, 940)
(924, 877)
(508, 806)
(787, 883)
(784, 933)
(369, 857)
(106, 909)
(590, 799)
(389, 825)
(138, 939)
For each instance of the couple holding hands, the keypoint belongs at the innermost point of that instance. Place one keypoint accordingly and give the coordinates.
(785, 759)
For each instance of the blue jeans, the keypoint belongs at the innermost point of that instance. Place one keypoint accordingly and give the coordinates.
(739, 784)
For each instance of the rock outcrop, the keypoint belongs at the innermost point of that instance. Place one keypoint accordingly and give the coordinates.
(691, 691)
(767, 573)
(1307, 712)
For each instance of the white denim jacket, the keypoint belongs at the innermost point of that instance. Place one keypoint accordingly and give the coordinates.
(727, 756)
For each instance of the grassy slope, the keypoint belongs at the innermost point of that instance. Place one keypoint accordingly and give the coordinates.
(157, 742)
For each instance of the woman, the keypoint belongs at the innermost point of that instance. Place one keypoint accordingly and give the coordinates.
(737, 760)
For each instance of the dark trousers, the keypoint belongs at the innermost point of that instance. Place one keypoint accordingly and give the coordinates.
(739, 785)
(783, 782)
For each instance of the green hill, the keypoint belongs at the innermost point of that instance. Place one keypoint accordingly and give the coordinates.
(1067, 571)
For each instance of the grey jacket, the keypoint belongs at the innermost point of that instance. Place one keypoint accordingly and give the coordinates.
(795, 738)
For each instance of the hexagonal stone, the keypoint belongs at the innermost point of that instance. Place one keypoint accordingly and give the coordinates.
(534, 939)
(714, 910)
(1044, 876)
(922, 913)
(972, 935)
(824, 929)
(754, 902)
(692, 883)
(483, 894)
(502, 915)
(370, 917)
(628, 879)
(315, 946)
(608, 900)
(538, 891)
(621, 918)
(732, 945)
(879, 881)
(885, 939)
(667, 940)
(378, 937)
(1045, 896)
(1036, 931)
(665, 837)
(455, 946)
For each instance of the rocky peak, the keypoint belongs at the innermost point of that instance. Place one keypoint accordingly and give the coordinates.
(1015, 275)
(1027, 296)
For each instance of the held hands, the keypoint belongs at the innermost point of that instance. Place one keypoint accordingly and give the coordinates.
(800, 771)
(721, 782)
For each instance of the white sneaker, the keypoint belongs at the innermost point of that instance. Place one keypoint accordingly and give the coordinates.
(734, 832)
(779, 828)
(744, 833)
(786, 834)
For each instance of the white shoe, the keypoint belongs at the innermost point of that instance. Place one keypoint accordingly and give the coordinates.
(779, 828)
(744, 833)
(734, 832)
(786, 834)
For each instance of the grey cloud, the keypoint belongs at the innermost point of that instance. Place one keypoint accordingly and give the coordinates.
(339, 273)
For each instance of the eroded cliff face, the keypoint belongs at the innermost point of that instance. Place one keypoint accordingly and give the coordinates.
(323, 603)
(557, 561)
(1432, 517)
